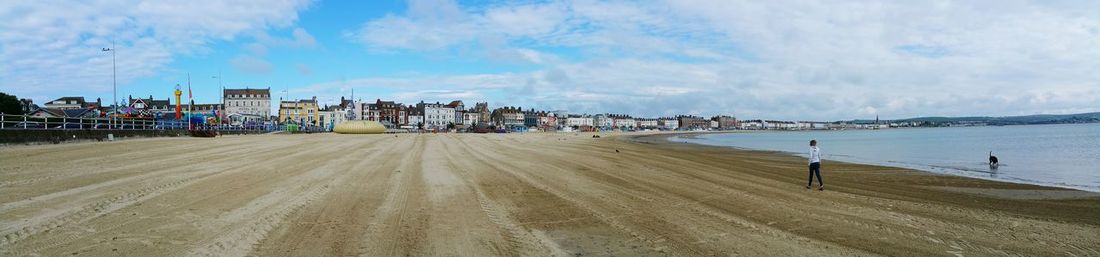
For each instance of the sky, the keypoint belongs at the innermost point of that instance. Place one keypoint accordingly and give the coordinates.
(794, 60)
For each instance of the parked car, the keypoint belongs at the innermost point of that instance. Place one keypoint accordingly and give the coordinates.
(29, 124)
(69, 125)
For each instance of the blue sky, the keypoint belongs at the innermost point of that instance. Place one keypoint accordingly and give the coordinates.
(821, 60)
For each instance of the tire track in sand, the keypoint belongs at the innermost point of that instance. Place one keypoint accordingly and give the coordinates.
(484, 226)
(63, 174)
(334, 224)
(399, 225)
(680, 204)
(292, 196)
(54, 218)
(613, 221)
(96, 226)
(97, 183)
(522, 241)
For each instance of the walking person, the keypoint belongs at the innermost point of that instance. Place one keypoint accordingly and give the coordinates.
(815, 166)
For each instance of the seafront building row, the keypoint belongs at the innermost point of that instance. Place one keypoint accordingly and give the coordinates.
(251, 106)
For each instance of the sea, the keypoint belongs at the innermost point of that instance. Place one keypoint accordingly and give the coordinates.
(1062, 155)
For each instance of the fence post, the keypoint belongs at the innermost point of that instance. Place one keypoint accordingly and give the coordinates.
(2, 121)
(81, 122)
(45, 122)
(63, 121)
(24, 121)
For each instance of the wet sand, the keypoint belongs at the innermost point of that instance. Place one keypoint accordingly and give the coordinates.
(535, 194)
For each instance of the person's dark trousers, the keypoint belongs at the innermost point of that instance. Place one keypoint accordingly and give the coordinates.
(815, 168)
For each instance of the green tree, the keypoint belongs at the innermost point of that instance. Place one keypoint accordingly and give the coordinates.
(9, 104)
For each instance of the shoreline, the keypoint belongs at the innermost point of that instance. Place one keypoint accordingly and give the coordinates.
(934, 169)
(952, 184)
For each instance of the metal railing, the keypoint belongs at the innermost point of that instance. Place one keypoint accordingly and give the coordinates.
(66, 123)
(26, 122)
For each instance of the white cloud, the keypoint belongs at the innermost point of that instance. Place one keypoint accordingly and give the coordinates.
(794, 60)
(304, 70)
(303, 38)
(48, 48)
(433, 96)
(255, 59)
(256, 49)
(251, 64)
(299, 38)
(429, 25)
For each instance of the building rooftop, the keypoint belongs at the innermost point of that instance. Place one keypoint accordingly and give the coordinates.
(455, 104)
(77, 99)
(248, 91)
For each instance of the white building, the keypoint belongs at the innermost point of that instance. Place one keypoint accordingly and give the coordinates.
(330, 117)
(470, 118)
(802, 125)
(669, 123)
(579, 121)
(603, 121)
(359, 110)
(771, 124)
(415, 120)
(752, 124)
(624, 122)
(247, 104)
(647, 123)
(437, 115)
(787, 125)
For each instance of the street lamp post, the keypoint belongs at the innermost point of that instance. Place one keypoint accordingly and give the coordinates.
(114, 82)
(222, 97)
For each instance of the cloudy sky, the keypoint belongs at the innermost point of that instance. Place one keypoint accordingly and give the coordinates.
(806, 60)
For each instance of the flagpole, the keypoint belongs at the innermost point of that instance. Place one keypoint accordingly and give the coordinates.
(221, 114)
(191, 102)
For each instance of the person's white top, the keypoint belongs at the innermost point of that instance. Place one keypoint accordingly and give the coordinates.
(815, 154)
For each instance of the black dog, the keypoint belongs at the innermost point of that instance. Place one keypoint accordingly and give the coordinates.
(993, 163)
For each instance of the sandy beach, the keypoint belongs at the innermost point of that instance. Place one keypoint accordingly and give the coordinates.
(533, 194)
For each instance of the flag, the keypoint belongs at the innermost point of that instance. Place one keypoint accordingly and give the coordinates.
(192, 105)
